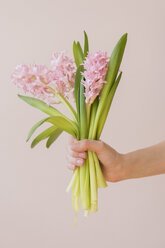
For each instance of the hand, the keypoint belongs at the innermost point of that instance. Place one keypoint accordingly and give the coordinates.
(109, 158)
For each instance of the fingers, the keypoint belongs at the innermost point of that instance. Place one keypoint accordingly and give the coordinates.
(71, 167)
(75, 161)
(77, 154)
(86, 144)
(76, 151)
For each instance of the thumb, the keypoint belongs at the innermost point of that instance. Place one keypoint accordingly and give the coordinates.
(87, 144)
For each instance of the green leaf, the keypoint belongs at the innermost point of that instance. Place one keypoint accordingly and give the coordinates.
(86, 44)
(80, 95)
(113, 68)
(41, 105)
(45, 134)
(44, 108)
(114, 64)
(33, 129)
(53, 137)
(65, 125)
(54, 121)
(81, 53)
(108, 105)
(77, 54)
(66, 103)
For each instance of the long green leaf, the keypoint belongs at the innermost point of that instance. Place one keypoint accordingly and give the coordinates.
(33, 129)
(81, 53)
(44, 107)
(45, 134)
(41, 105)
(86, 44)
(53, 137)
(68, 106)
(70, 124)
(81, 97)
(107, 106)
(66, 103)
(77, 54)
(65, 125)
(114, 64)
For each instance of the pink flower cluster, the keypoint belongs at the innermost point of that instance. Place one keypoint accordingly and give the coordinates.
(95, 65)
(35, 79)
(63, 74)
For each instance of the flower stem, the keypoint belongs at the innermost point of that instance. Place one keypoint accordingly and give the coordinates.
(93, 183)
(88, 110)
(66, 103)
(101, 183)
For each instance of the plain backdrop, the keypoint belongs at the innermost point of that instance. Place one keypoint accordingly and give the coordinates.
(35, 211)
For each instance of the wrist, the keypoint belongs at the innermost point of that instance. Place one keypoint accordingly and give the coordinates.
(117, 173)
(128, 165)
(122, 168)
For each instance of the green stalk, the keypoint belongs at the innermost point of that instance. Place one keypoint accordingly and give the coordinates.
(88, 112)
(75, 196)
(82, 115)
(85, 177)
(83, 135)
(76, 192)
(99, 176)
(85, 194)
(73, 180)
(92, 117)
(101, 183)
(66, 103)
(93, 183)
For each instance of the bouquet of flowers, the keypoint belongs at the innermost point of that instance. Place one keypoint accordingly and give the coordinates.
(91, 79)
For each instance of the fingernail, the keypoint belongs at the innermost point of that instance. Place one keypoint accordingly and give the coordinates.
(79, 161)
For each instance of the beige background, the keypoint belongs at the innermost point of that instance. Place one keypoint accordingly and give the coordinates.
(35, 211)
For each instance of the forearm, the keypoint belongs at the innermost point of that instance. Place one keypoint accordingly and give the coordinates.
(144, 162)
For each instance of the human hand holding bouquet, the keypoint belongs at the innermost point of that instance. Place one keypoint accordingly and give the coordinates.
(92, 79)
(110, 160)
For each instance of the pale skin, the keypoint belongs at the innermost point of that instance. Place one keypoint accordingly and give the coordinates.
(115, 166)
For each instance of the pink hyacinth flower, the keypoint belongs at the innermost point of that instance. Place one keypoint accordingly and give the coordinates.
(95, 65)
(63, 73)
(35, 79)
